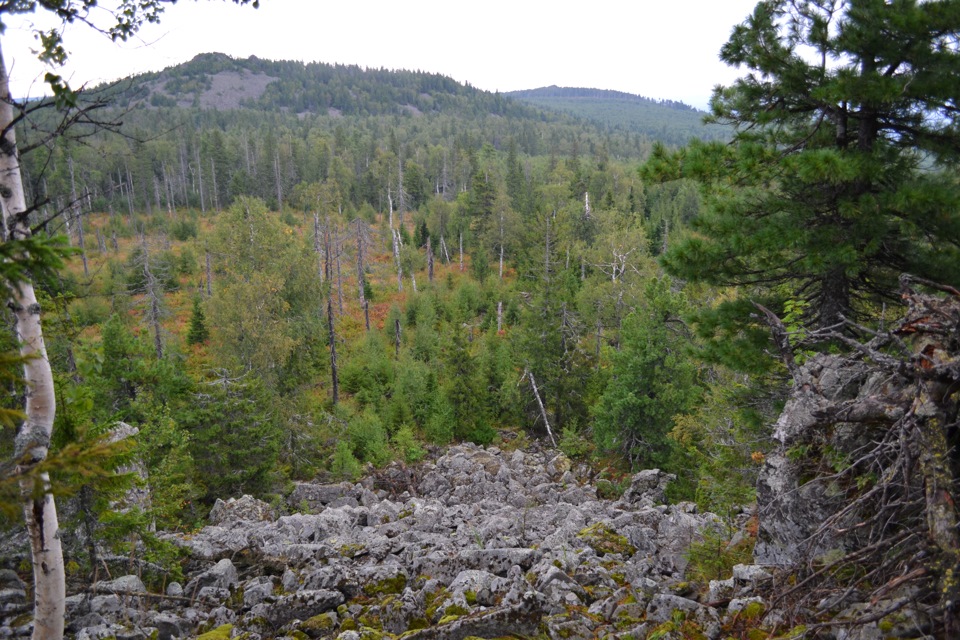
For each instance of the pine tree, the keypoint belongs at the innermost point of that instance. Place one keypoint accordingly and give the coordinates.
(839, 177)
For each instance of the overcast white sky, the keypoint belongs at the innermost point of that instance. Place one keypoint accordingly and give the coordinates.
(656, 48)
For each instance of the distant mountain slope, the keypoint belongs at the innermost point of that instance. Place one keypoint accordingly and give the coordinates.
(669, 121)
(215, 80)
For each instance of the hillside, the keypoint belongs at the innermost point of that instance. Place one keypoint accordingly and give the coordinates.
(217, 81)
(666, 121)
(626, 123)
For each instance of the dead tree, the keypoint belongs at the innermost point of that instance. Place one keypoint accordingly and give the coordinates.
(363, 239)
(335, 379)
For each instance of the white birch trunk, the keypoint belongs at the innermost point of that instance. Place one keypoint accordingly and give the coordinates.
(33, 438)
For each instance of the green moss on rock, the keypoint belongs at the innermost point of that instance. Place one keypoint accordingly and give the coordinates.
(602, 539)
(387, 586)
(220, 633)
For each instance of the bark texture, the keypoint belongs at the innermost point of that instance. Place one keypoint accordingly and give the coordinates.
(33, 437)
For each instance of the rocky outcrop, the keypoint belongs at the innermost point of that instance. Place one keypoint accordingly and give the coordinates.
(857, 503)
(486, 543)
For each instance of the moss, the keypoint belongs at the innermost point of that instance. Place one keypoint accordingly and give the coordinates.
(432, 602)
(318, 624)
(448, 619)
(602, 539)
(753, 611)
(348, 624)
(368, 633)
(352, 550)
(418, 623)
(220, 633)
(619, 578)
(370, 622)
(757, 634)
(470, 597)
(387, 586)
(455, 610)
(692, 631)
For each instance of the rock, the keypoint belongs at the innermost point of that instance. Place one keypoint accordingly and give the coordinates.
(299, 606)
(257, 590)
(168, 626)
(222, 575)
(105, 605)
(314, 497)
(123, 584)
(517, 620)
(647, 488)
(246, 508)
(99, 632)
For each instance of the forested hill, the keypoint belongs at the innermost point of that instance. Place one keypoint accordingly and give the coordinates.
(668, 121)
(624, 124)
(215, 80)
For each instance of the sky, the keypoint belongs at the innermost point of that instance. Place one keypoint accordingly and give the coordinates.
(662, 50)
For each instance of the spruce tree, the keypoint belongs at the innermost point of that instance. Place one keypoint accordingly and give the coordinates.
(198, 332)
(839, 175)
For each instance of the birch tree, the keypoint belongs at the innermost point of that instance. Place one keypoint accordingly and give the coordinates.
(36, 429)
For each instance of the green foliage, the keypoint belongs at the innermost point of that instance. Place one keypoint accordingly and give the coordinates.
(406, 444)
(574, 444)
(653, 380)
(345, 465)
(368, 438)
(714, 556)
(198, 332)
(840, 177)
(234, 429)
(166, 450)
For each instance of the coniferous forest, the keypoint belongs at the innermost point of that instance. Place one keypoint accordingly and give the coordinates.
(275, 273)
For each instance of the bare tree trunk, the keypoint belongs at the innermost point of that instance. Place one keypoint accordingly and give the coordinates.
(34, 434)
(75, 212)
(318, 247)
(335, 380)
(461, 251)
(499, 316)
(276, 170)
(429, 260)
(209, 270)
(213, 177)
(154, 291)
(443, 250)
(396, 336)
(203, 208)
(336, 245)
(129, 192)
(543, 410)
(396, 244)
(361, 280)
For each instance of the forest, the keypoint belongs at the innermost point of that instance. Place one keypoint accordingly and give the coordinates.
(334, 269)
